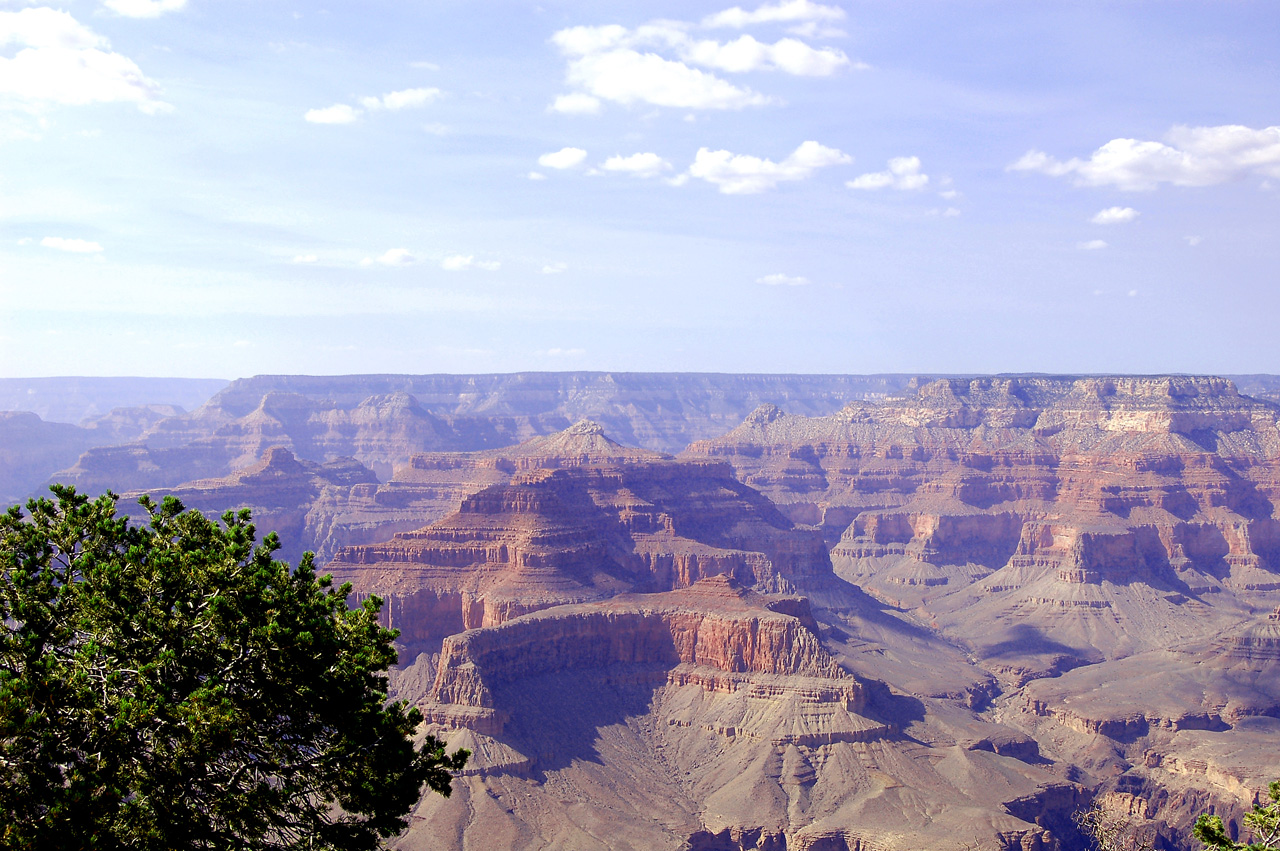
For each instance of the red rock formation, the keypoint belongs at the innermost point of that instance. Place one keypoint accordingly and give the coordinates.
(279, 490)
(577, 534)
(1110, 498)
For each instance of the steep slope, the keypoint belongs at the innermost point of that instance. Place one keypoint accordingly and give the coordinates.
(279, 490)
(711, 718)
(1044, 522)
(622, 648)
(1101, 546)
(432, 484)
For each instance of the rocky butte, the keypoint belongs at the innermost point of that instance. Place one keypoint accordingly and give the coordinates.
(632, 653)
(871, 613)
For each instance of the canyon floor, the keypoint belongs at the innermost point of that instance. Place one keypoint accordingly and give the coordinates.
(815, 613)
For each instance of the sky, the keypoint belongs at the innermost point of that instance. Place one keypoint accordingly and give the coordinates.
(222, 188)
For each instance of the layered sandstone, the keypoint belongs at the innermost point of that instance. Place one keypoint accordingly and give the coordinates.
(1098, 511)
(1072, 591)
(579, 533)
(431, 485)
(717, 720)
(636, 606)
(279, 490)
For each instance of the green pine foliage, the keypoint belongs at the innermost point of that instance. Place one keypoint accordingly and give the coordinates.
(1263, 822)
(171, 685)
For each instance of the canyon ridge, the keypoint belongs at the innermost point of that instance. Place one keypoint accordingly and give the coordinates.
(814, 613)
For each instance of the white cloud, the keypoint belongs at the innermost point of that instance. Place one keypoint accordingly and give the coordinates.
(781, 280)
(740, 174)
(904, 174)
(403, 99)
(638, 165)
(576, 103)
(397, 257)
(1193, 241)
(789, 11)
(653, 64)
(144, 8)
(746, 54)
(536, 175)
(75, 246)
(1194, 156)
(339, 113)
(627, 77)
(554, 268)
(465, 262)
(563, 158)
(814, 29)
(1115, 216)
(305, 258)
(1092, 245)
(60, 61)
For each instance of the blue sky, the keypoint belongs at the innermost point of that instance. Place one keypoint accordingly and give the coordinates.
(227, 188)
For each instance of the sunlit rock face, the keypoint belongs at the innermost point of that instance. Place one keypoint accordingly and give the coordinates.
(636, 636)
(1106, 548)
(1105, 511)
(576, 534)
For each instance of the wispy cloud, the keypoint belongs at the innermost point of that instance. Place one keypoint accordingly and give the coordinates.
(576, 103)
(661, 63)
(1092, 245)
(741, 174)
(637, 165)
(563, 158)
(144, 8)
(903, 174)
(1115, 216)
(554, 268)
(780, 280)
(791, 11)
(74, 246)
(466, 262)
(398, 257)
(342, 113)
(403, 99)
(1193, 156)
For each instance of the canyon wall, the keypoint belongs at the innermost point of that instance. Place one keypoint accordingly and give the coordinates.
(866, 614)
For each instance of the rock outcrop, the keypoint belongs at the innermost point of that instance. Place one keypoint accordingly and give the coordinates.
(552, 537)
(1103, 512)
(431, 485)
(280, 491)
(648, 608)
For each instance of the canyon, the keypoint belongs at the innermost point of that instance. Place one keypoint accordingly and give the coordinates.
(775, 612)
